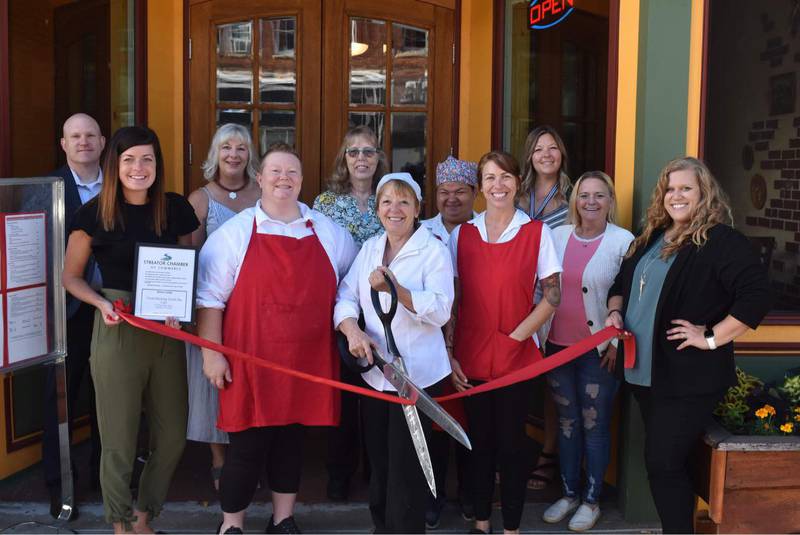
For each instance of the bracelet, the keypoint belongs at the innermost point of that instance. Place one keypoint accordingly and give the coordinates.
(614, 310)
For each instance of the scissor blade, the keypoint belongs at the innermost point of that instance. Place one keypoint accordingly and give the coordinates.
(420, 445)
(408, 390)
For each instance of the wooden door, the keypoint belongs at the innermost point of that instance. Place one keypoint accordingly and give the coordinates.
(255, 63)
(82, 76)
(390, 65)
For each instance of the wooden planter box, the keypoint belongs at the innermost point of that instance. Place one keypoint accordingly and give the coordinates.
(751, 483)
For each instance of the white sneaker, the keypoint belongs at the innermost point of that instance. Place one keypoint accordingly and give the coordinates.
(559, 510)
(584, 518)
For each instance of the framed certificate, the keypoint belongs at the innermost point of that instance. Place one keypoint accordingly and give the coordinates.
(165, 282)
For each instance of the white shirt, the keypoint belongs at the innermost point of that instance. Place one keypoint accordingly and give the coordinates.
(88, 191)
(223, 253)
(423, 267)
(548, 262)
(437, 228)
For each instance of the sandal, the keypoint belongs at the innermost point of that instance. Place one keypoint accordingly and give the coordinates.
(216, 473)
(545, 472)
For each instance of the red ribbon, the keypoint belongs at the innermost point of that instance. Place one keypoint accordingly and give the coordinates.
(523, 374)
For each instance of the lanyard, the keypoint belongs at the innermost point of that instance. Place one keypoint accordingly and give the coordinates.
(547, 199)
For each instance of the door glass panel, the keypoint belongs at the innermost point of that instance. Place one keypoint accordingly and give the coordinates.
(569, 80)
(277, 79)
(367, 61)
(372, 119)
(234, 62)
(408, 144)
(409, 65)
(276, 126)
(242, 117)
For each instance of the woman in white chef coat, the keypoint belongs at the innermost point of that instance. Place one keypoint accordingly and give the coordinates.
(420, 267)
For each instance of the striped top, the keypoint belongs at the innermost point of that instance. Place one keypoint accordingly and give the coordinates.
(556, 218)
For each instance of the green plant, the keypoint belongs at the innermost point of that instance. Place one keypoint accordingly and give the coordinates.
(791, 389)
(733, 410)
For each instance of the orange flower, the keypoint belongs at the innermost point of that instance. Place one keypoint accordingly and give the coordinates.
(788, 427)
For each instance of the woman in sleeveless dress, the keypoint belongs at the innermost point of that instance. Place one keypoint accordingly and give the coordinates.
(230, 168)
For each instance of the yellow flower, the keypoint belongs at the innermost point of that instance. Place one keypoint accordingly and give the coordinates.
(797, 418)
(788, 427)
(797, 410)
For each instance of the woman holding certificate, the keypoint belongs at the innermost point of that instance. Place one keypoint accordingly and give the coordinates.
(267, 286)
(130, 365)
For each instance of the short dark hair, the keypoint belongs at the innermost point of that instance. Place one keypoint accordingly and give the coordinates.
(279, 147)
(501, 159)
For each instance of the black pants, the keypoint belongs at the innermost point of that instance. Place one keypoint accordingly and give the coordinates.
(672, 427)
(440, 455)
(344, 441)
(398, 491)
(497, 430)
(279, 449)
(79, 338)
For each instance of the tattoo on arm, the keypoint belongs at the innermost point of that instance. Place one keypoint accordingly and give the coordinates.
(551, 287)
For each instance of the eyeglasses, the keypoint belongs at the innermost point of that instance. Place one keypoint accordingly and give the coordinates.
(368, 152)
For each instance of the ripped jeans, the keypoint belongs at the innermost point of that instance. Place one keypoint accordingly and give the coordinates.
(584, 394)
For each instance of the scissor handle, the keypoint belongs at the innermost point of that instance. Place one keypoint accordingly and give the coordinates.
(386, 317)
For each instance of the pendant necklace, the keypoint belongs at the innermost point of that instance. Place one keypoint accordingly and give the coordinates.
(643, 276)
(232, 192)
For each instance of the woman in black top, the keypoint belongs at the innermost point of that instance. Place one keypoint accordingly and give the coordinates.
(131, 367)
(689, 285)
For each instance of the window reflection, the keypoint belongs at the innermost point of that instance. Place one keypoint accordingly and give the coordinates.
(276, 126)
(277, 80)
(409, 65)
(242, 117)
(234, 71)
(373, 119)
(408, 144)
(367, 61)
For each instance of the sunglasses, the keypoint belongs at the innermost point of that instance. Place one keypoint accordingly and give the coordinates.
(368, 152)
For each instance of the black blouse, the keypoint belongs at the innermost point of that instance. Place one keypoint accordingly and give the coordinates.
(115, 250)
(703, 285)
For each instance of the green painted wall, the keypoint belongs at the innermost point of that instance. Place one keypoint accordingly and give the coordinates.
(662, 99)
(661, 109)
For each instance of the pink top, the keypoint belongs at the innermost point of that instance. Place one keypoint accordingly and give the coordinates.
(569, 322)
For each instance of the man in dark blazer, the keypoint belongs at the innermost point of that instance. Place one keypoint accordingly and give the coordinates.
(83, 178)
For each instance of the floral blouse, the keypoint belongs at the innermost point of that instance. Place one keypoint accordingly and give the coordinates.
(343, 209)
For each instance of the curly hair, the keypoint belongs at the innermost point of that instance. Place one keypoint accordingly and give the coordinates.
(339, 181)
(225, 133)
(713, 208)
(529, 173)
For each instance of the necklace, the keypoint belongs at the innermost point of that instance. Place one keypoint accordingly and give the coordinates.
(232, 191)
(643, 276)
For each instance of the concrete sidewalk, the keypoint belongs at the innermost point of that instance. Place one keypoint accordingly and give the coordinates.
(194, 517)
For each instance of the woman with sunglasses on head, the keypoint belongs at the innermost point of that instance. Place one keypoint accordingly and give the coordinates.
(544, 197)
(230, 168)
(350, 202)
(689, 285)
(131, 368)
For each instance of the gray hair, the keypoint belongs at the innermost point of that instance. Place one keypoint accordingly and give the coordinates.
(224, 133)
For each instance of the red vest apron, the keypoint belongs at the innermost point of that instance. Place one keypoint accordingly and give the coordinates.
(497, 283)
(281, 310)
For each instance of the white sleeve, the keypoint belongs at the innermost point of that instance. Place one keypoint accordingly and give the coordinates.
(347, 296)
(453, 246)
(346, 249)
(432, 304)
(548, 262)
(217, 267)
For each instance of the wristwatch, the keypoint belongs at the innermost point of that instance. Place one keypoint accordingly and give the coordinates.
(709, 336)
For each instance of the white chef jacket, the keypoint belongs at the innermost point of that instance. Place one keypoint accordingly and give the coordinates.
(223, 253)
(437, 228)
(423, 267)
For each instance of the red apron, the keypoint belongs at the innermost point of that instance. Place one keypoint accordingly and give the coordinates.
(497, 283)
(281, 310)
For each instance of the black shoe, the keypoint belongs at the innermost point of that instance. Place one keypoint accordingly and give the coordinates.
(338, 489)
(232, 530)
(434, 513)
(467, 511)
(56, 506)
(286, 525)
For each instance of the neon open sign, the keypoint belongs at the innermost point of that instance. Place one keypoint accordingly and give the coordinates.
(546, 13)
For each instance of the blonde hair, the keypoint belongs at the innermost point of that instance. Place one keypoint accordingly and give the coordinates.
(529, 173)
(339, 181)
(574, 217)
(225, 133)
(712, 209)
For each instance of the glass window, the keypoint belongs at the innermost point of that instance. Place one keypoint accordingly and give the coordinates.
(752, 130)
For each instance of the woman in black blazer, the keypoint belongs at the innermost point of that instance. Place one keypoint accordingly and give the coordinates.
(689, 285)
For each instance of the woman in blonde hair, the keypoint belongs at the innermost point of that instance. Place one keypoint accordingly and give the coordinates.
(689, 285)
(230, 168)
(591, 249)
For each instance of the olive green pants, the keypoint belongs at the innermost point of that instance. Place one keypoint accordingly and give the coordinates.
(135, 369)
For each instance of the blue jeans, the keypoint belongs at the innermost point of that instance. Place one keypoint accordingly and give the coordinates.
(583, 393)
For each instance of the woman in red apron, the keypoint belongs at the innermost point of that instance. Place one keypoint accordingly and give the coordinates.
(498, 257)
(267, 286)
